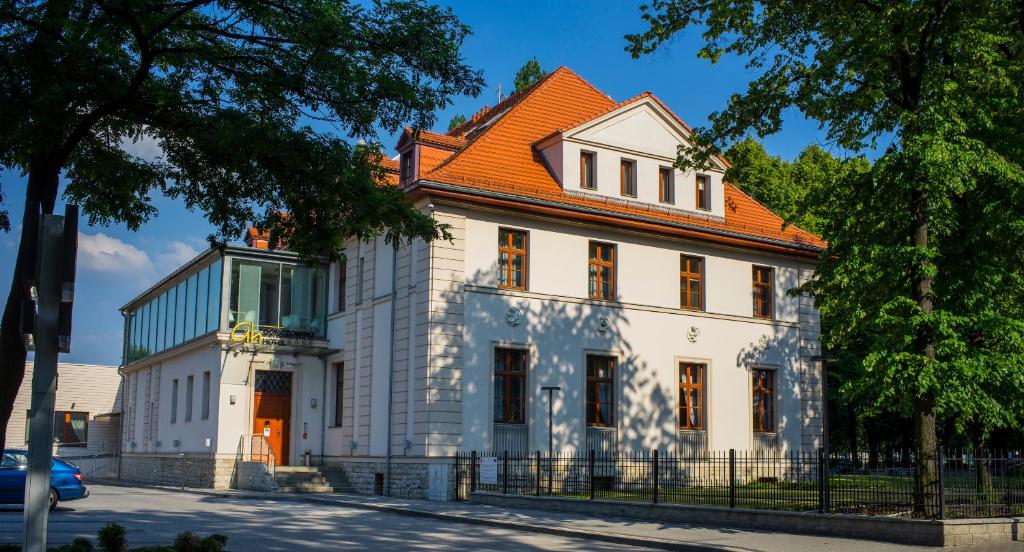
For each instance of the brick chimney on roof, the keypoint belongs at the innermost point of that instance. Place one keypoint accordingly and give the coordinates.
(256, 239)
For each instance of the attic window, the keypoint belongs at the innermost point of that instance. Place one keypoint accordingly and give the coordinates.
(703, 192)
(406, 161)
(587, 170)
(627, 176)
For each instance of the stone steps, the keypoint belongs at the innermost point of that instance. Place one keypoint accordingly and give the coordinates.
(310, 479)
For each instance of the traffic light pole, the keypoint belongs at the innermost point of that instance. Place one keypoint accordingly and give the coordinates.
(44, 382)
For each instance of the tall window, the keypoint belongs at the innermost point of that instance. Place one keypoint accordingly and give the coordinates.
(691, 396)
(627, 177)
(764, 400)
(174, 401)
(762, 291)
(206, 395)
(600, 391)
(510, 386)
(512, 252)
(602, 271)
(587, 170)
(359, 281)
(703, 192)
(189, 385)
(406, 160)
(342, 281)
(339, 393)
(666, 193)
(691, 278)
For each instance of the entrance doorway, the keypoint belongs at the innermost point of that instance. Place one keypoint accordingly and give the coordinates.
(272, 411)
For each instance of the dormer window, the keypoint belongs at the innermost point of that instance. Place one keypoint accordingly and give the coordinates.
(703, 192)
(587, 170)
(666, 193)
(406, 161)
(627, 177)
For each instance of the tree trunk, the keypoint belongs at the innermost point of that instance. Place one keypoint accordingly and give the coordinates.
(925, 443)
(42, 192)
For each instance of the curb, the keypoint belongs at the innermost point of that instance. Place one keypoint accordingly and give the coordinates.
(590, 535)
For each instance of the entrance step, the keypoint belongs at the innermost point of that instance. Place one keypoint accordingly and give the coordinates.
(311, 479)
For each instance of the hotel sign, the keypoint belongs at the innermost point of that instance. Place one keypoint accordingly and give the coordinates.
(246, 332)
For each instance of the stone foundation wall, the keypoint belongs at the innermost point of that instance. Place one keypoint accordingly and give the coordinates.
(204, 471)
(419, 480)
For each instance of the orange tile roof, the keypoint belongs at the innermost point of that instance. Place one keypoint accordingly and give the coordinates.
(498, 156)
(443, 140)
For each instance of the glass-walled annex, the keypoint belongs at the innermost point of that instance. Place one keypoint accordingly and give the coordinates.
(182, 313)
(289, 300)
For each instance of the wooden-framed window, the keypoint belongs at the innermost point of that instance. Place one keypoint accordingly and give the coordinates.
(512, 257)
(339, 393)
(602, 271)
(691, 282)
(763, 400)
(762, 292)
(342, 283)
(406, 171)
(587, 180)
(510, 367)
(692, 383)
(666, 191)
(627, 177)
(601, 390)
(703, 188)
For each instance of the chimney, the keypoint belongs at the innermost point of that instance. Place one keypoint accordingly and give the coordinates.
(255, 239)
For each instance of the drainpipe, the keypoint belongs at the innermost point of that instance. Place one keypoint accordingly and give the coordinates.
(391, 363)
(120, 372)
(323, 410)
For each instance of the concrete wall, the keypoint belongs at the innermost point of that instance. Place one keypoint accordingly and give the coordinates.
(90, 388)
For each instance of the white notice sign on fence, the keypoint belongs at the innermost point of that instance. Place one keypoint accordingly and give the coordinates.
(488, 470)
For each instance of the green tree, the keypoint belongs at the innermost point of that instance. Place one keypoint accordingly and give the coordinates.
(528, 74)
(227, 89)
(456, 121)
(941, 79)
(784, 186)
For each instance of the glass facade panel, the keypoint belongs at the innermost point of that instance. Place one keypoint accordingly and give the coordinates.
(213, 301)
(202, 298)
(172, 314)
(190, 308)
(179, 317)
(275, 296)
(303, 299)
(144, 331)
(161, 316)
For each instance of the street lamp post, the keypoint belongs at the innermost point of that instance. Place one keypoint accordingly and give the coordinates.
(551, 435)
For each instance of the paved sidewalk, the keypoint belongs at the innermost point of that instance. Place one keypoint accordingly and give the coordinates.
(611, 530)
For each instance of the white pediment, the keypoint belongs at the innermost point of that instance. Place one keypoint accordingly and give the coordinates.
(643, 126)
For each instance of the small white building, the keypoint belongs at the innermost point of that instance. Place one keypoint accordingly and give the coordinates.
(655, 299)
(87, 415)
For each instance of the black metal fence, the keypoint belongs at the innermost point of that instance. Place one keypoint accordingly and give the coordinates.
(967, 485)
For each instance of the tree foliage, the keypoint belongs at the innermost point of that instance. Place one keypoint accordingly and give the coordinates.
(528, 74)
(456, 121)
(941, 80)
(230, 91)
(786, 186)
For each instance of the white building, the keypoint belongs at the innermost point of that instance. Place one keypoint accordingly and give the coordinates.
(655, 299)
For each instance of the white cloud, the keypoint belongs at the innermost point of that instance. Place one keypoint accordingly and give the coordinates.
(102, 253)
(146, 147)
(179, 254)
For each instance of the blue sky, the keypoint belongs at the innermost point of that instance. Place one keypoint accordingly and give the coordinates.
(115, 264)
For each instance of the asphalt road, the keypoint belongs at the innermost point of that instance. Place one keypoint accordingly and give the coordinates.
(155, 517)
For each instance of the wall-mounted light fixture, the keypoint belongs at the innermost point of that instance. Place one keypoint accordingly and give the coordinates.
(231, 399)
(312, 402)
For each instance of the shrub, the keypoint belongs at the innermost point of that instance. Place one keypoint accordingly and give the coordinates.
(112, 538)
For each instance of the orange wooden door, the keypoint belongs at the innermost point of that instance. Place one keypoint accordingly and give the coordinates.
(272, 418)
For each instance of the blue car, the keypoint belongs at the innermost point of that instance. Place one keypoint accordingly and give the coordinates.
(65, 479)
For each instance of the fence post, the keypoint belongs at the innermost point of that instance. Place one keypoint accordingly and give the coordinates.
(472, 472)
(655, 496)
(551, 472)
(821, 480)
(504, 471)
(940, 456)
(590, 470)
(538, 473)
(184, 470)
(732, 478)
